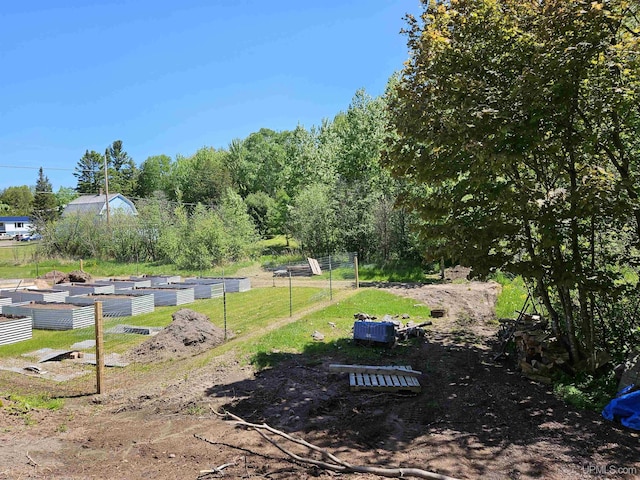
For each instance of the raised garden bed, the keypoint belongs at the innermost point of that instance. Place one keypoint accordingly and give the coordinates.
(84, 288)
(241, 284)
(117, 304)
(5, 301)
(124, 284)
(164, 296)
(35, 295)
(14, 329)
(159, 279)
(54, 316)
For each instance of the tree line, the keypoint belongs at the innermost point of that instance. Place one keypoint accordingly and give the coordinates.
(324, 187)
(518, 125)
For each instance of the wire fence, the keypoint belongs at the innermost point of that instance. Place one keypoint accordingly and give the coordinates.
(111, 323)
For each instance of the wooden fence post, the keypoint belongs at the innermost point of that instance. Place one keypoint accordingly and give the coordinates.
(99, 348)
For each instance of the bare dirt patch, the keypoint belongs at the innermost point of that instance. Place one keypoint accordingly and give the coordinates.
(473, 418)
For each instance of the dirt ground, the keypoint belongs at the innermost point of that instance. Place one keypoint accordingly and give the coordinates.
(474, 418)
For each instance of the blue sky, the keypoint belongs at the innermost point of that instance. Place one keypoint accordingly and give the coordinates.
(169, 77)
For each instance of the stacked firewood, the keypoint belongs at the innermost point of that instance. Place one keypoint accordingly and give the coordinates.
(539, 353)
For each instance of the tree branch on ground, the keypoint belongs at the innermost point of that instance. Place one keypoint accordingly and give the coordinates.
(330, 462)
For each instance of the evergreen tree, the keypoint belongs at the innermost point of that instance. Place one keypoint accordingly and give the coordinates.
(44, 202)
(89, 172)
(122, 169)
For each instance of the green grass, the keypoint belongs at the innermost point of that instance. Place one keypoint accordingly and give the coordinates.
(295, 338)
(246, 311)
(394, 272)
(511, 298)
(586, 392)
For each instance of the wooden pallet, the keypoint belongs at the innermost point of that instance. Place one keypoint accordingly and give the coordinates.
(374, 378)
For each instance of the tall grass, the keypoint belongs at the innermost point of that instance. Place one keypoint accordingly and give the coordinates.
(512, 297)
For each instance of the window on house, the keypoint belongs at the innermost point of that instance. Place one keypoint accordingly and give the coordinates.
(19, 225)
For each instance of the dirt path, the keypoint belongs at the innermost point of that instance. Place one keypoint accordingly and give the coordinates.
(472, 419)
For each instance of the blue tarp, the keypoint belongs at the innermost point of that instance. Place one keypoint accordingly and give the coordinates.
(625, 408)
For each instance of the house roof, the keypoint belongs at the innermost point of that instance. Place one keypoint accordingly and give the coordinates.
(95, 203)
(15, 219)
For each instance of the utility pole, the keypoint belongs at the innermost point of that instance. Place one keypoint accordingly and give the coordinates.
(106, 186)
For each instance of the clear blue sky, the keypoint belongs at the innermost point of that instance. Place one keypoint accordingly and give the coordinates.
(169, 77)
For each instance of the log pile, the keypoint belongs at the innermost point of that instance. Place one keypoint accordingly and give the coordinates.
(539, 354)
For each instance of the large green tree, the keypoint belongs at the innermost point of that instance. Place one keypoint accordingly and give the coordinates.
(517, 122)
(201, 178)
(122, 169)
(18, 199)
(153, 176)
(90, 172)
(45, 205)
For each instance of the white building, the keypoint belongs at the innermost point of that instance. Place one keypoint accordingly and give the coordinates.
(15, 226)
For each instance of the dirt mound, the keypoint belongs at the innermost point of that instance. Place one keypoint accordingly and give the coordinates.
(56, 276)
(78, 276)
(53, 276)
(190, 333)
(471, 300)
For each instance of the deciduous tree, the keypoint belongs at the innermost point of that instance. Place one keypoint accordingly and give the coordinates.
(518, 120)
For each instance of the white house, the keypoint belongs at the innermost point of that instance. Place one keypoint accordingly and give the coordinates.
(15, 226)
(97, 204)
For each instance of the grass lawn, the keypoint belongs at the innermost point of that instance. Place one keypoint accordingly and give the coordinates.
(246, 312)
(296, 337)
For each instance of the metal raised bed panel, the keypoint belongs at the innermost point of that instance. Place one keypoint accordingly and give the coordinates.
(54, 318)
(124, 284)
(15, 329)
(230, 284)
(35, 295)
(84, 288)
(118, 305)
(165, 296)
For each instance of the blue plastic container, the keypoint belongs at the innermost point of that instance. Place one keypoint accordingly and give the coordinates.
(374, 332)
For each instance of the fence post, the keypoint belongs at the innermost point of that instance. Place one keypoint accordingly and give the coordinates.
(81, 265)
(99, 348)
(330, 280)
(290, 297)
(355, 267)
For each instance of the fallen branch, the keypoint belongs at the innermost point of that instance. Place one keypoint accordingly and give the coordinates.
(217, 469)
(31, 460)
(332, 463)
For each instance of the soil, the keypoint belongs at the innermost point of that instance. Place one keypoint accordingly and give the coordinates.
(473, 418)
(190, 333)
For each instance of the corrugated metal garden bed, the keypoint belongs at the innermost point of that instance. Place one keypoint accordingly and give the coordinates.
(14, 329)
(84, 288)
(241, 284)
(164, 296)
(54, 316)
(35, 295)
(123, 284)
(117, 305)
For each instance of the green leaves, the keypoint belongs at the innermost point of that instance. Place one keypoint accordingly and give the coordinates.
(519, 118)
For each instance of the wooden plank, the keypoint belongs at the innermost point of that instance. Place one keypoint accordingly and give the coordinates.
(384, 370)
(382, 383)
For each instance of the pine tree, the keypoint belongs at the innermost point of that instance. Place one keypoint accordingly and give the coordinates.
(45, 206)
(89, 172)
